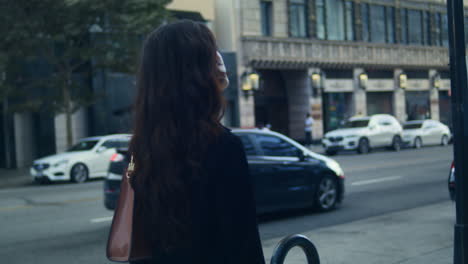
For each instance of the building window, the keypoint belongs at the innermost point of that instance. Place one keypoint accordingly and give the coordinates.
(404, 25)
(365, 22)
(377, 18)
(349, 20)
(444, 30)
(297, 18)
(426, 28)
(266, 9)
(320, 15)
(415, 27)
(390, 24)
(335, 20)
(437, 29)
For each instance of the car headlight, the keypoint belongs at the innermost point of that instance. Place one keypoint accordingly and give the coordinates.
(334, 166)
(60, 163)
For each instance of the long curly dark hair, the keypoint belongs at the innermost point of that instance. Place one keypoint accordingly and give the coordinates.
(178, 109)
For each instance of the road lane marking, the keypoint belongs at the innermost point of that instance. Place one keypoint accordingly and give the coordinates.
(12, 208)
(101, 219)
(372, 181)
(39, 204)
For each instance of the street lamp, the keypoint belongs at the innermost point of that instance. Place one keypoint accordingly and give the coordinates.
(403, 81)
(363, 78)
(316, 83)
(250, 83)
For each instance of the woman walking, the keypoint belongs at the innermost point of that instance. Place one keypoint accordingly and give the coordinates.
(191, 178)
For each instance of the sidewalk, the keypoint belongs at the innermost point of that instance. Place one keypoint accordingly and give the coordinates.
(417, 236)
(14, 178)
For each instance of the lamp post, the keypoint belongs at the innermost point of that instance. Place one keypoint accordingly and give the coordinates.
(458, 76)
(6, 127)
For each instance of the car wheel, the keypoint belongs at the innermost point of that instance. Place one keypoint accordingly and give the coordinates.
(79, 173)
(327, 194)
(418, 143)
(331, 152)
(363, 147)
(396, 143)
(445, 140)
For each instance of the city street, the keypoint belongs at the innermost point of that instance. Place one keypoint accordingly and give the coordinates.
(67, 223)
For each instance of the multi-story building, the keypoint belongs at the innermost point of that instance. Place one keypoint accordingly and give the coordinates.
(336, 59)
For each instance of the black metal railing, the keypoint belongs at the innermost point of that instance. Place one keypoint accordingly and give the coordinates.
(285, 245)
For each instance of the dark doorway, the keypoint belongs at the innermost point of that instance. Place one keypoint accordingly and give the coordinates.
(271, 103)
(380, 103)
(337, 108)
(44, 133)
(418, 105)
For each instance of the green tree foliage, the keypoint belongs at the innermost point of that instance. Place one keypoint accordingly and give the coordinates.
(71, 37)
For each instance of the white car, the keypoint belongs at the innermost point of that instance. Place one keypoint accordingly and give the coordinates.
(364, 133)
(425, 132)
(89, 158)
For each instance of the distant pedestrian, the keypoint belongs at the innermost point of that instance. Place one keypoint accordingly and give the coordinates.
(191, 177)
(309, 122)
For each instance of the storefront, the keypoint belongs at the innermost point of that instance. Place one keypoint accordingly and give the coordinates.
(337, 108)
(271, 102)
(379, 103)
(418, 105)
(380, 88)
(337, 99)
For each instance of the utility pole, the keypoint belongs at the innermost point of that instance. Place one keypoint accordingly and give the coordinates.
(6, 130)
(458, 76)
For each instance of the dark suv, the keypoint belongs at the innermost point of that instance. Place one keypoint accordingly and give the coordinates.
(285, 174)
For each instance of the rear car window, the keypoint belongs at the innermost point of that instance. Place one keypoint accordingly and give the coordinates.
(412, 126)
(275, 146)
(84, 145)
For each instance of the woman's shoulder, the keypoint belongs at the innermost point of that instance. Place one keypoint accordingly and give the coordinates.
(229, 139)
(226, 145)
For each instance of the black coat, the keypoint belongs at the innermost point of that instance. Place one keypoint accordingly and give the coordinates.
(224, 211)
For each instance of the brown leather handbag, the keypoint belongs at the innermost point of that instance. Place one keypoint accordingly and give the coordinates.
(126, 238)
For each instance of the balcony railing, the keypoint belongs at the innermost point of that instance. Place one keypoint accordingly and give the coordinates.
(266, 52)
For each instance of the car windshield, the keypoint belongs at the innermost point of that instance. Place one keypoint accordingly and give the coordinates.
(84, 145)
(357, 123)
(412, 126)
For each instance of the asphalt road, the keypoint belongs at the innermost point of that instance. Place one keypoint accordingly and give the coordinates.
(66, 223)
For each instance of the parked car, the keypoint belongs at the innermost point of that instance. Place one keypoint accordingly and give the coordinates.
(285, 174)
(421, 133)
(364, 133)
(89, 158)
(451, 182)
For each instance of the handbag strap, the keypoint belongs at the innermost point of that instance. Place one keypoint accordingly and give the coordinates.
(131, 167)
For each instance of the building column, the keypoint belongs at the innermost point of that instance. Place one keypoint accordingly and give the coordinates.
(316, 107)
(24, 139)
(359, 96)
(298, 88)
(399, 98)
(434, 96)
(79, 128)
(246, 111)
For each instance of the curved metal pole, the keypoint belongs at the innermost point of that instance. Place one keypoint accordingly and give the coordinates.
(285, 245)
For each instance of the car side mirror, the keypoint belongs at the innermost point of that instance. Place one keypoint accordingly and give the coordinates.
(300, 155)
(372, 127)
(101, 149)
